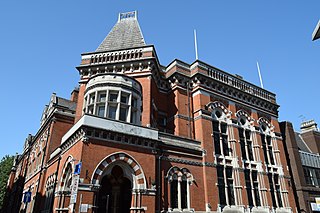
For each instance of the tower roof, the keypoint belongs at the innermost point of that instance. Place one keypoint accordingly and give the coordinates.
(126, 33)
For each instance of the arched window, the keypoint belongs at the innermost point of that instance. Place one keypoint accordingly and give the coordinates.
(225, 185)
(174, 191)
(266, 140)
(49, 195)
(244, 132)
(220, 118)
(180, 181)
(68, 179)
(275, 190)
(252, 187)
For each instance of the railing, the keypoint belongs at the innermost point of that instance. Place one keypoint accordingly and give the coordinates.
(238, 83)
(310, 159)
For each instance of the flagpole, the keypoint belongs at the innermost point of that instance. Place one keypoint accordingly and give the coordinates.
(195, 43)
(259, 75)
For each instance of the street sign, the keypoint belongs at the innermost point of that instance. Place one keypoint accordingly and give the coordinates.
(74, 188)
(315, 207)
(27, 197)
(84, 207)
(77, 170)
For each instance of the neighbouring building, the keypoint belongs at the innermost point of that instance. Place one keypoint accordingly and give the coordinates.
(137, 136)
(316, 32)
(302, 151)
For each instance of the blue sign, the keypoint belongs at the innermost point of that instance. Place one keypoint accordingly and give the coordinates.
(27, 197)
(77, 170)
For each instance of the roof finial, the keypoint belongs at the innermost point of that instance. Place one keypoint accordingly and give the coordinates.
(127, 15)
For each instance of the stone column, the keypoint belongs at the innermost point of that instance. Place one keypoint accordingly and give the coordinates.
(188, 195)
(179, 193)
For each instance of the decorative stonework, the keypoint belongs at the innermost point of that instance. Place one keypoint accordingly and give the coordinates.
(78, 135)
(51, 180)
(123, 157)
(119, 138)
(188, 162)
(69, 164)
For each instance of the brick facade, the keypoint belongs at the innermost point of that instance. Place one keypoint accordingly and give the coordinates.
(180, 138)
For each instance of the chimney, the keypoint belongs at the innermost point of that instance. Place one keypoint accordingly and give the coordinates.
(74, 94)
(310, 125)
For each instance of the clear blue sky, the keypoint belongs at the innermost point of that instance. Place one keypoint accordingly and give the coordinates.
(41, 43)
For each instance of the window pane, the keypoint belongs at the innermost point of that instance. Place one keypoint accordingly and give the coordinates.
(271, 155)
(134, 117)
(248, 186)
(90, 109)
(221, 186)
(240, 131)
(124, 98)
(100, 111)
(274, 204)
(269, 140)
(134, 102)
(250, 153)
(174, 194)
(230, 185)
(279, 195)
(184, 194)
(243, 149)
(102, 97)
(113, 96)
(229, 172)
(215, 125)
(223, 128)
(230, 192)
(112, 109)
(256, 194)
(92, 98)
(216, 140)
(247, 134)
(225, 145)
(123, 113)
(264, 147)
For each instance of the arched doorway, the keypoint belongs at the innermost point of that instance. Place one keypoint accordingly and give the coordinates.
(115, 192)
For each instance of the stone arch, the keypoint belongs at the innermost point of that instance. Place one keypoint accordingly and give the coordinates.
(265, 125)
(67, 164)
(217, 106)
(180, 180)
(139, 180)
(180, 172)
(243, 114)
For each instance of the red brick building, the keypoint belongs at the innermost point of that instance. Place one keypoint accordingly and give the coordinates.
(152, 138)
(302, 152)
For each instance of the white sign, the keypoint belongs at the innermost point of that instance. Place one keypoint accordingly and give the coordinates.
(74, 188)
(315, 207)
(317, 200)
(84, 207)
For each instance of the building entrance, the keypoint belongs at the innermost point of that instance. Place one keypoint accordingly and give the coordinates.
(115, 193)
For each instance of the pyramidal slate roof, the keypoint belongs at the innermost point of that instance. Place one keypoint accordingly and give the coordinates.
(126, 33)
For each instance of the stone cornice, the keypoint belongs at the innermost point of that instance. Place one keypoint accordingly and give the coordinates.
(201, 82)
